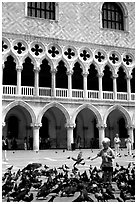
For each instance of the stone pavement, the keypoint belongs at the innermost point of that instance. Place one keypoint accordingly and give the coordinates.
(56, 158)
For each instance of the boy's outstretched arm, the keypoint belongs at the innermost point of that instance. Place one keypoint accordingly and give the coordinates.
(94, 158)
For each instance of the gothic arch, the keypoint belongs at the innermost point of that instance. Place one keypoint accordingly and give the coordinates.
(92, 108)
(34, 62)
(50, 105)
(48, 59)
(10, 53)
(122, 109)
(19, 103)
(81, 64)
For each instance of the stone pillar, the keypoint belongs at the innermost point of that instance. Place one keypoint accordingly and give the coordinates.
(129, 87)
(100, 85)
(36, 128)
(115, 86)
(101, 129)
(36, 82)
(53, 82)
(70, 138)
(19, 70)
(85, 74)
(69, 73)
(130, 133)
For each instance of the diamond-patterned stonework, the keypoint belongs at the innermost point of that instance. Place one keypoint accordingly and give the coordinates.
(76, 21)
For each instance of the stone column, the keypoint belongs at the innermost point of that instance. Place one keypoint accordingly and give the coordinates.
(36, 82)
(129, 87)
(85, 74)
(115, 86)
(70, 138)
(53, 82)
(19, 70)
(36, 128)
(130, 133)
(69, 73)
(100, 85)
(101, 129)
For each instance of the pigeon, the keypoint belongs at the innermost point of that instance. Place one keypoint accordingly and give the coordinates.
(9, 168)
(46, 167)
(68, 157)
(28, 198)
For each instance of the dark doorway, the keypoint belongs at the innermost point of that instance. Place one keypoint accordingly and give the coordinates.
(13, 125)
(44, 133)
(27, 74)
(122, 128)
(77, 78)
(45, 74)
(9, 72)
(107, 80)
(61, 76)
(92, 79)
(121, 81)
(132, 81)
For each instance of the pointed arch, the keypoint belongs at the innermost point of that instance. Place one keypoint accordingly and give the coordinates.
(10, 53)
(50, 105)
(92, 108)
(33, 60)
(120, 108)
(19, 103)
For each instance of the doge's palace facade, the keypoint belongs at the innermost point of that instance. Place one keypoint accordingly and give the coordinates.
(69, 77)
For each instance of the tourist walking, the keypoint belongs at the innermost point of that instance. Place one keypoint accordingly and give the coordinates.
(117, 142)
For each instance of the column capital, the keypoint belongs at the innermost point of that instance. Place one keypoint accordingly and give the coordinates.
(53, 71)
(85, 73)
(101, 126)
(130, 126)
(3, 124)
(114, 76)
(69, 72)
(100, 75)
(36, 125)
(19, 67)
(36, 69)
(70, 125)
(129, 77)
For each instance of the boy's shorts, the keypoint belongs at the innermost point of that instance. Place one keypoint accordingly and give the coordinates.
(110, 169)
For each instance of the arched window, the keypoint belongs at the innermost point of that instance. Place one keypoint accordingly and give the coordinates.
(41, 10)
(112, 16)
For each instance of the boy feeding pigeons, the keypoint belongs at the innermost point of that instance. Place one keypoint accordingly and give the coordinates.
(107, 155)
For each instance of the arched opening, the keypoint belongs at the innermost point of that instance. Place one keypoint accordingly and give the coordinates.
(92, 79)
(9, 72)
(122, 128)
(27, 74)
(107, 79)
(86, 134)
(44, 134)
(17, 127)
(61, 76)
(45, 74)
(53, 129)
(77, 78)
(132, 81)
(121, 81)
(116, 123)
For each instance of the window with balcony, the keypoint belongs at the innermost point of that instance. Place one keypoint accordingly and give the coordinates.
(44, 10)
(112, 16)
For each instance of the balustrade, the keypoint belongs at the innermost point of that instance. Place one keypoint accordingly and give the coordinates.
(63, 93)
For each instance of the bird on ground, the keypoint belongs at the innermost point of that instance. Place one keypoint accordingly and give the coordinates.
(52, 198)
(9, 168)
(46, 167)
(28, 198)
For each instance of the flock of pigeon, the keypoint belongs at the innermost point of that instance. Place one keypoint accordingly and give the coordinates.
(49, 183)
